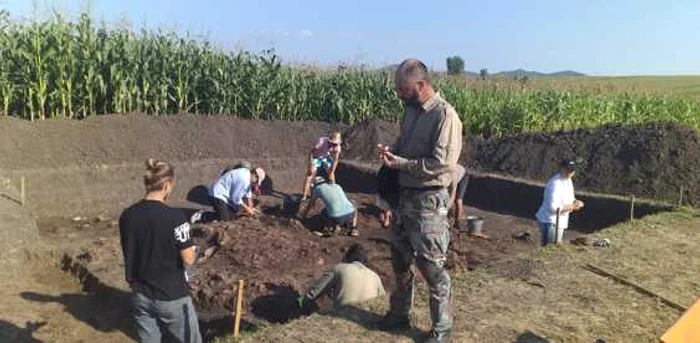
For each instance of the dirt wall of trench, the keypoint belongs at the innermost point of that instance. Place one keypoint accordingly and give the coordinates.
(95, 165)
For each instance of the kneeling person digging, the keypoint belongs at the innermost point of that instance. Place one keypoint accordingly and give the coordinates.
(339, 211)
(232, 193)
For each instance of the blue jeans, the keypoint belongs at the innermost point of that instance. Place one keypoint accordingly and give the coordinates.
(549, 233)
(173, 321)
(342, 220)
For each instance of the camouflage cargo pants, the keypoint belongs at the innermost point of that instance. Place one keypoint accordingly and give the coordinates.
(421, 236)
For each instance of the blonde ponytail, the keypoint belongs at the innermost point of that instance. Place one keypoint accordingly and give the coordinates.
(158, 172)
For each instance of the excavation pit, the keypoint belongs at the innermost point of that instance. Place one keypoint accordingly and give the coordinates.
(279, 259)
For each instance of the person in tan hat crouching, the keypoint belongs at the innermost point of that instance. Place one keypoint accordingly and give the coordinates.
(324, 155)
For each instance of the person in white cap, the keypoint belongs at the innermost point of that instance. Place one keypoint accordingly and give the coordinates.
(232, 193)
(324, 156)
(558, 201)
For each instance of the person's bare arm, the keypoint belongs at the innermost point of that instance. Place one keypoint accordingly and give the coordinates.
(188, 255)
(249, 208)
(331, 175)
(568, 208)
(577, 205)
(305, 211)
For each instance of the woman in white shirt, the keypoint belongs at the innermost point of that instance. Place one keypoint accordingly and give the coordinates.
(558, 196)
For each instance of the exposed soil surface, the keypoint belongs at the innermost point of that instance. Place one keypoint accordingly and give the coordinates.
(278, 260)
(40, 303)
(360, 141)
(116, 139)
(287, 259)
(650, 161)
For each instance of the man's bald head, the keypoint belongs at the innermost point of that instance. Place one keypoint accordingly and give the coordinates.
(412, 70)
(413, 85)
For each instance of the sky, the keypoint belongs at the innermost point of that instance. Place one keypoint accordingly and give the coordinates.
(597, 37)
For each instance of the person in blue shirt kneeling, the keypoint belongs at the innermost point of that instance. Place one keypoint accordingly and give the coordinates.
(232, 192)
(339, 211)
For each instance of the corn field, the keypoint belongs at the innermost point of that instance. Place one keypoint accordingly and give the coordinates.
(56, 68)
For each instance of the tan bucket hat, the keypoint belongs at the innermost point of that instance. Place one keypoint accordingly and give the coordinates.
(335, 137)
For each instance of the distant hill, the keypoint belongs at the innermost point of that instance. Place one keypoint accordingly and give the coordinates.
(567, 73)
(510, 73)
(533, 74)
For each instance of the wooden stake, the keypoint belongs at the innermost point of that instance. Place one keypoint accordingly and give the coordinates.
(556, 228)
(21, 191)
(632, 209)
(636, 287)
(680, 198)
(239, 304)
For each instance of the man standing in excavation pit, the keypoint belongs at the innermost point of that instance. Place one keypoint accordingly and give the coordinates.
(425, 154)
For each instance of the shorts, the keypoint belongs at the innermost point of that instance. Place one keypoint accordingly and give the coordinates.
(388, 187)
(324, 163)
(342, 220)
(383, 204)
(462, 187)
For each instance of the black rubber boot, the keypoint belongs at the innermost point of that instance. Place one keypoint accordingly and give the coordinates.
(392, 323)
(438, 337)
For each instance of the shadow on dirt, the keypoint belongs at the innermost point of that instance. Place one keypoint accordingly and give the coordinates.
(281, 306)
(371, 211)
(199, 195)
(10, 332)
(105, 314)
(268, 186)
(11, 199)
(222, 326)
(356, 179)
(529, 337)
(369, 321)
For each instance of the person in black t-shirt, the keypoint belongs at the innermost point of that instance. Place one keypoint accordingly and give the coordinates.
(156, 243)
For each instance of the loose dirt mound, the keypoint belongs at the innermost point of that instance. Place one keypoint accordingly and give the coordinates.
(652, 161)
(18, 228)
(361, 140)
(277, 260)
